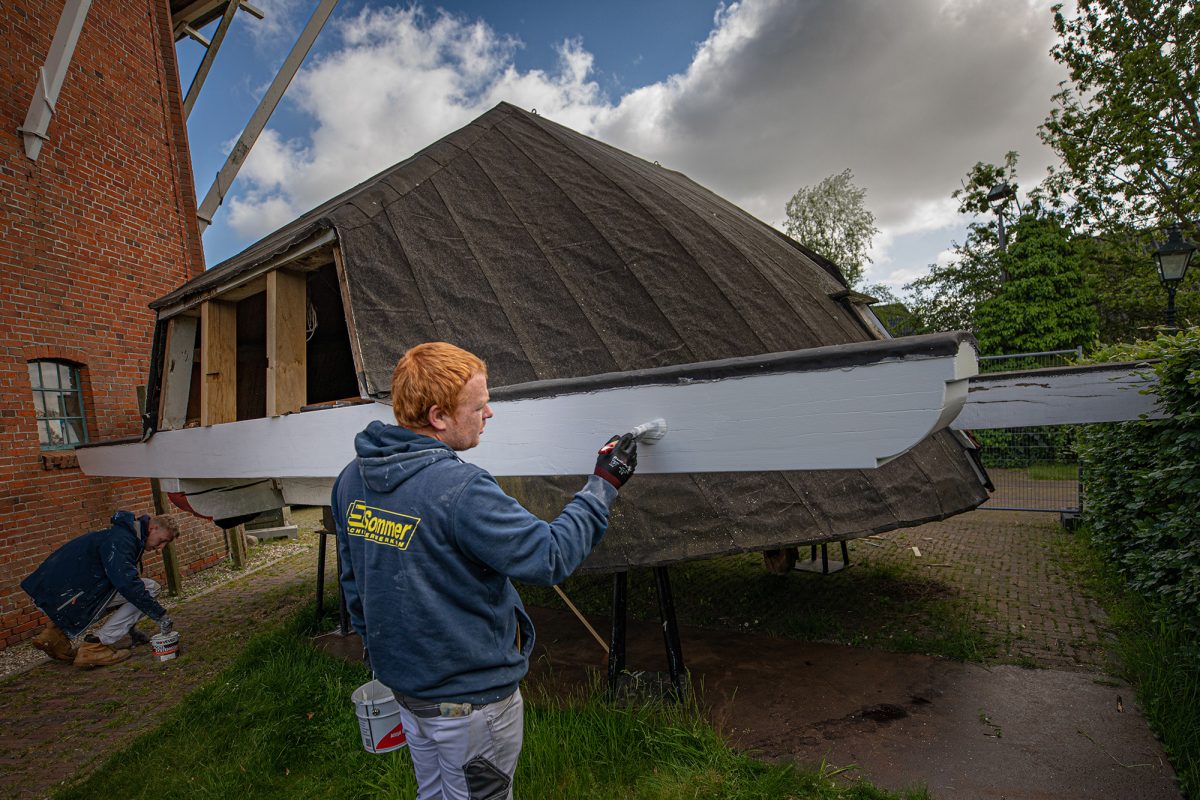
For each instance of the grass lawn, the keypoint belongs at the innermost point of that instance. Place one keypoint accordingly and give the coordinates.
(877, 605)
(279, 723)
(1053, 472)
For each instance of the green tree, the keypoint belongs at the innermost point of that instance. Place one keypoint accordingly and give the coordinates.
(946, 298)
(1045, 302)
(1127, 123)
(832, 219)
(1130, 299)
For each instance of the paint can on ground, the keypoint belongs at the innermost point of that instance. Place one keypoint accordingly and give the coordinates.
(378, 718)
(165, 645)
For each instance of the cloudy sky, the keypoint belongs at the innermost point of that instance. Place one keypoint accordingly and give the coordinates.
(753, 99)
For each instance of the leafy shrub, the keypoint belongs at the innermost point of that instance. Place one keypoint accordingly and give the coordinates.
(1142, 481)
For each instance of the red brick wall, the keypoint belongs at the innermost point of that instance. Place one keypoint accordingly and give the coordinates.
(101, 224)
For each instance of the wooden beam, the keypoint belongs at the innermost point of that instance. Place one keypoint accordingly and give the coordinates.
(287, 307)
(177, 374)
(218, 362)
(51, 75)
(351, 328)
(1059, 396)
(210, 55)
(258, 120)
(235, 537)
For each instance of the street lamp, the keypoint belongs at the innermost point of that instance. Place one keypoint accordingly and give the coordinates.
(1172, 258)
(1000, 193)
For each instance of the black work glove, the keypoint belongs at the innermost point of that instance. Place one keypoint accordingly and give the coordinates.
(617, 459)
(165, 625)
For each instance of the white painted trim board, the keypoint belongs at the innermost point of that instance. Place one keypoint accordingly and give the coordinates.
(855, 417)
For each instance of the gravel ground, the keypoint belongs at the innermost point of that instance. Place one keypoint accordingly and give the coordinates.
(23, 656)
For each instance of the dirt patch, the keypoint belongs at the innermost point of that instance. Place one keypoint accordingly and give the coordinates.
(963, 730)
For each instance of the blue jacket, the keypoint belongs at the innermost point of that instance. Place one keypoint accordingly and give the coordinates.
(427, 546)
(75, 583)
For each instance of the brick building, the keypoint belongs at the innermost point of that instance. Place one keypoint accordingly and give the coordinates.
(99, 224)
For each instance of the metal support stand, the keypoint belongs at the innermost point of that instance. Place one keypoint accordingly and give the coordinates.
(328, 530)
(666, 611)
(624, 683)
(321, 574)
(616, 642)
(343, 613)
(827, 566)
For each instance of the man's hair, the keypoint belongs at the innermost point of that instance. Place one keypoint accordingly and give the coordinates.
(428, 375)
(167, 523)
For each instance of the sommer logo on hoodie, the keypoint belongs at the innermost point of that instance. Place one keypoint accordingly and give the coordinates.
(380, 525)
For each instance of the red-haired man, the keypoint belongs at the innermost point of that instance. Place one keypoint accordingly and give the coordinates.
(428, 544)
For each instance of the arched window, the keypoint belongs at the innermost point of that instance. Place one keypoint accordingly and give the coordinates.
(58, 399)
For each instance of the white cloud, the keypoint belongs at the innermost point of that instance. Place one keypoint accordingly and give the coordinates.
(781, 94)
(282, 20)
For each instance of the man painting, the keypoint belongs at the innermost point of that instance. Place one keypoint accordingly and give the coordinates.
(428, 544)
(92, 574)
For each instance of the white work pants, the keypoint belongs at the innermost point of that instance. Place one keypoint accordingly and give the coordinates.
(125, 616)
(467, 758)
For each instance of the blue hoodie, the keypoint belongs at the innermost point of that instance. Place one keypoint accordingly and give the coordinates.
(427, 545)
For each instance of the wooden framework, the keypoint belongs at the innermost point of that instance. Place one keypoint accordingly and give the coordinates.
(177, 372)
(218, 362)
(286, 313)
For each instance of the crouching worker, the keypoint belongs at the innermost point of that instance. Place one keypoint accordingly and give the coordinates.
(428, 544)
(95, 573)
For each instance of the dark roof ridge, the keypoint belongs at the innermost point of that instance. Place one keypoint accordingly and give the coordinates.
(319, 217)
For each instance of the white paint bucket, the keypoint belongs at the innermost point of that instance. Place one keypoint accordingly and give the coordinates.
(378, 718)
(165, 645)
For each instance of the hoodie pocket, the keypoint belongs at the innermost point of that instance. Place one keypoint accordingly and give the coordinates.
(524, 632)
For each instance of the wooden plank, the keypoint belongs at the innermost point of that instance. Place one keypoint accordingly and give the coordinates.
(236, 539)
(826, 408)
(177, 372)
(287, 304)
(1058, 396)
(351, 324)
(218, 363)
(170, 558)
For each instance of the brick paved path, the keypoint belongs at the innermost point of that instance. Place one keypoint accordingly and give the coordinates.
(58, 722)
(1007, 564)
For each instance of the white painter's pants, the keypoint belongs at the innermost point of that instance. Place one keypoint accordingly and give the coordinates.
(463, 758)
(125, 617)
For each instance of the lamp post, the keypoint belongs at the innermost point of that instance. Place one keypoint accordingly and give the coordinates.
(1000, 193)
(1172, 258)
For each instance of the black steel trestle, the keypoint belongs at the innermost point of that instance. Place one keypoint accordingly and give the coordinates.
(827, 566)
(327, 531)
(624, 682)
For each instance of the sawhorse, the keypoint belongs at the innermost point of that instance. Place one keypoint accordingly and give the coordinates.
(621, 681)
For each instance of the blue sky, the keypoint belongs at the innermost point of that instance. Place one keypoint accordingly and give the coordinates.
(753, 99)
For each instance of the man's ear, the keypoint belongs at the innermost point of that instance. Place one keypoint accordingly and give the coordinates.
(436, 418)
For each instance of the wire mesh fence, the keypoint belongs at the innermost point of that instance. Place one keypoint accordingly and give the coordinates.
(1021, 361)
(1033, 469)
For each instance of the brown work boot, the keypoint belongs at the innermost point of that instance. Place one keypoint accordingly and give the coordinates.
(93, 653)
(131, 640)
(54, 643)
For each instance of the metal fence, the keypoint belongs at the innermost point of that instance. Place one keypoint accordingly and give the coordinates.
(1034, 469)
(1011, 362)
